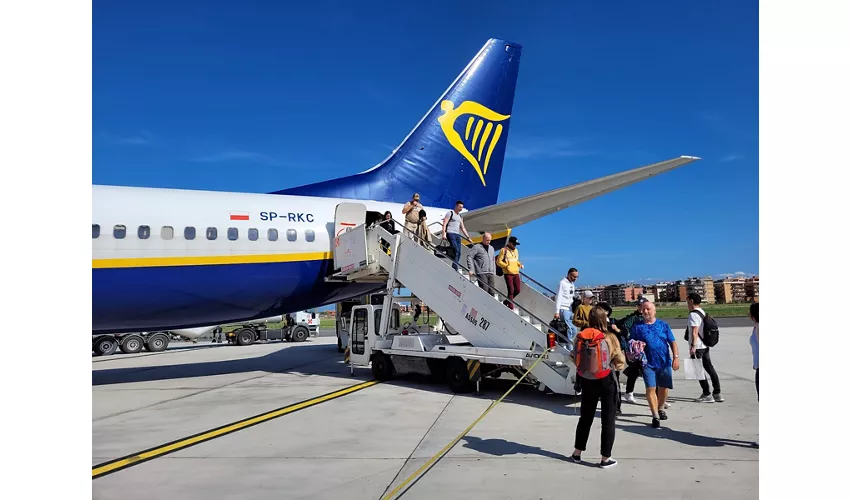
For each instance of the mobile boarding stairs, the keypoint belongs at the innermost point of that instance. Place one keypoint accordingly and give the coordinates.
(492, 338)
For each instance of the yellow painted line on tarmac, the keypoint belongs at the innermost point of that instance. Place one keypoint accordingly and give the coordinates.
(118, 464)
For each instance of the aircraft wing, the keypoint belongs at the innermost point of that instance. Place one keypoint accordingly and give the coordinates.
(503, 216)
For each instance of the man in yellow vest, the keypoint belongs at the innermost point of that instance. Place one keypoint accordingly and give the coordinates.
(509, 262)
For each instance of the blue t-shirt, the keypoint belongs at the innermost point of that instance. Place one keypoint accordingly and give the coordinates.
(657, 336)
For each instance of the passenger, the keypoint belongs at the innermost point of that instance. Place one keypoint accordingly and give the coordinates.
(566, 293)
(422, 234)
(597, 383)
(509, 262)
(754, 345)
(582, 314)
(696, 323)
(389, 224)
(659, 366)
(481, 262)
(754, 341)
(411, 216)
(452, 229)
(634, 368)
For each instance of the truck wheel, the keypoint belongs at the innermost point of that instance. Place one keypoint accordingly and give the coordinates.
(105, 346)
(157, 342)
(300, 333)
(132, 344)
(382, 366)
(457, 375)
(245, 336)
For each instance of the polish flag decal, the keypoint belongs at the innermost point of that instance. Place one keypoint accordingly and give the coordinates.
(239, 216)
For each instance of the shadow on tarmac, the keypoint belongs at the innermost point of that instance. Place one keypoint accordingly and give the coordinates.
(281, 361)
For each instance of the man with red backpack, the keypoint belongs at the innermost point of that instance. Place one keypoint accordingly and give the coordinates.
(597, 354)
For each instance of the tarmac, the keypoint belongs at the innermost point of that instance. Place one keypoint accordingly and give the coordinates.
(363, 444)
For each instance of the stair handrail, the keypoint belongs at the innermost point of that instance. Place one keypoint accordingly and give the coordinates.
(491, 290)
(541, 285)
(524, 275)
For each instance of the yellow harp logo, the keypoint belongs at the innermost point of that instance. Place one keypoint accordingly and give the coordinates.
(481, 117)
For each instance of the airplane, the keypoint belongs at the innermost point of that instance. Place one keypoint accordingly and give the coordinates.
(168, 259)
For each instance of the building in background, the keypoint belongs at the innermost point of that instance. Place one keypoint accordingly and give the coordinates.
(620, 295)
(704, 287)
(659, 291)
(751, 286)
(731, 291)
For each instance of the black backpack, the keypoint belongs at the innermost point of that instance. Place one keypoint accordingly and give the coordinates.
(710, 330)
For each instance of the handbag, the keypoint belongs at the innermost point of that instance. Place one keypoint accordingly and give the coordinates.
(444, 250)
(694, 369)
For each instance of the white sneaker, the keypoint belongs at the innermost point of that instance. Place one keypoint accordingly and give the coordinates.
(705, 399)
(666, 405)
(629, 397)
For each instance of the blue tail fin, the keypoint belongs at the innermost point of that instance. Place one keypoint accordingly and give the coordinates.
(455, 152)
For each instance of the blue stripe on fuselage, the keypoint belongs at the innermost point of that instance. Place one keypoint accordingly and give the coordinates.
(163, 298)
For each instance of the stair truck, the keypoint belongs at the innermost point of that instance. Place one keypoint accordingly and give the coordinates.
(492, 339)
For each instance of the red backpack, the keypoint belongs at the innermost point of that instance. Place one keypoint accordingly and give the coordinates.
(593, 358)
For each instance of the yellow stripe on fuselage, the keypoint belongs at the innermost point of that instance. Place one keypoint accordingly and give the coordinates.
(208, 260)
(495, 236)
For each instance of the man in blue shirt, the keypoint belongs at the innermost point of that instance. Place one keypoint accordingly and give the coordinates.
(659, 366)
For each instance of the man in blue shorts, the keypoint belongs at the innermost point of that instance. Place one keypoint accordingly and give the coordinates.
(659, 366)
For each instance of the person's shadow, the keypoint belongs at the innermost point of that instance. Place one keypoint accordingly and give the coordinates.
(682, 437)
(501, 447)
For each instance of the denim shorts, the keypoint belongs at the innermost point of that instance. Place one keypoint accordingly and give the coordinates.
(660, 377)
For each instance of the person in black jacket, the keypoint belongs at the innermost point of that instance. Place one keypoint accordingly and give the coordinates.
(634, 368)
(389, 224)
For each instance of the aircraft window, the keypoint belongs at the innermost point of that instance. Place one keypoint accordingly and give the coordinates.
(95, 230)
(232, 234)
(167, 232)
(253, 234)
(310, 235)
(119, 231)
(272, 234)
(291, 235)
(212, 233)
(189, 233)
(144, 232)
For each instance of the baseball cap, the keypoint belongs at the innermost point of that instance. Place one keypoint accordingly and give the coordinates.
(588, 294)
(513, 240)
(415, 196)
(642, 299)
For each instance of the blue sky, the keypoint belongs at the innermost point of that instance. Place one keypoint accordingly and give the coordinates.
(234, 96)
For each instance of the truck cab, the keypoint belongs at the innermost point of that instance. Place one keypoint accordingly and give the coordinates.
(343, 315)
(310, 319)
(364, 320)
